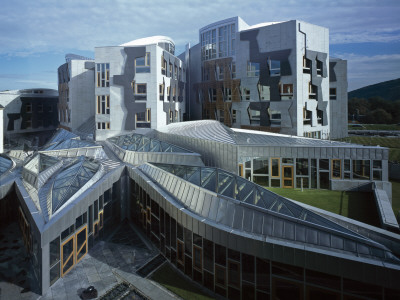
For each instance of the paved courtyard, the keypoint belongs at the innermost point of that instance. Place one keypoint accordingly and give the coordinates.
(106, 264)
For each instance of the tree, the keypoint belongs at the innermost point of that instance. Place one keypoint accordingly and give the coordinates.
(378, 116)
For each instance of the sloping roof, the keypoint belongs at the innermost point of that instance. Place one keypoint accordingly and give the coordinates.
(141, 143)
(235, 203)
(40, 162)
(61, 135)
(215, 131)
(149, 41)
(70, 144)
(71, 179)
(5, 164)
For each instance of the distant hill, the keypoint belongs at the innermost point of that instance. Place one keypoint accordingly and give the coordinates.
(388, 90)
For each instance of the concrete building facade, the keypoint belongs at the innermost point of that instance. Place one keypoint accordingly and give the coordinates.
(270, 76)
(76, 92)
(138, 86)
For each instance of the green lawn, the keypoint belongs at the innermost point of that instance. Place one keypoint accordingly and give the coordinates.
(392, 143)
(356, 205)
(171, 279)
(396, 197)
(375, 127)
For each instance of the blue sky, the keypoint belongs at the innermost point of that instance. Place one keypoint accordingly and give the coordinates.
(36, 35)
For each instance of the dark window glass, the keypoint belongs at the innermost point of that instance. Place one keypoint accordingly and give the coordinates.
(96, 210)
(322, 279)
(173, 256)
(287, 160)
(362, 289)
(235, 255)
(220, 276)
(197, 276)
(55, 251)
(67, 232)
(248, 267)
(234, 294)
(188, 241)
(275, 183)
(263, 277)
(82, 219)
(197, 257)
(287, 271)
(324, 164)
(314, 173)
(155, 208)
(101, 202)
(234, 273)
(275, 167)
(188, 266)
(167, 230)
(220, 291)
(302, 166)
(90, 218)
(260, 166)
(377, 164)
(346, 164)
(284, 289)
(317, 293)
(220, 255)
(208, 280)
(248, 290)
(197, 240)
(173, 233)
(261, 180)
(361, 169)
(180, 251)
(54, 273)
(162, 226)
(324, 180)
(179, 231)
(208, 249)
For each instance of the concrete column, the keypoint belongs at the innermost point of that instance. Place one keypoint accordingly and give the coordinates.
(1, 129)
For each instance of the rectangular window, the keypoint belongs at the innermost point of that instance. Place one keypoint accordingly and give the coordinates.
(332, 93)
(275, 117)
(220, 276)
(143, 119)
(306, 65)
(40, 107)
(103, 75)
(161, 89)
(274, 67)
(253, 69)
(180, 252)
(212, 94)
(197, 258)
(245, 94)
(28, 107)
(312, 91)
(227, 94)
(319, 67)
(141, 88)
(361, 169)
(103, 104)
(176, 73)
(336, 169)
(286, 91)
(142, 64)
(275, 167)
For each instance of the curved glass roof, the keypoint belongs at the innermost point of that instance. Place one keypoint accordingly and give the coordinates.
(71, 179)
(141, 143)
(69, 144)
(5, 164)
(236, 187)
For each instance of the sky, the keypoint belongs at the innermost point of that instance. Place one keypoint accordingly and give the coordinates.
(36, 35)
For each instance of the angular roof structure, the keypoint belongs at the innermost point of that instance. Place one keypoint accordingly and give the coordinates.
(233, 203)
(70, 144)
(61, 135)
(5, 164)
(71, 179)
(40, 162)
(141, 143)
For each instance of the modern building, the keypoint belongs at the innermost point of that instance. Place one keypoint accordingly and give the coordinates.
(139, 86)
(25, 112)
(270, 77)
(226, 233)
(76, 93)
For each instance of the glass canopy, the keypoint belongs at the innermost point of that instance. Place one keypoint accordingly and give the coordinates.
(141, 143)
(69, 144)
(40, 162)
(236, 187)
(71, 179)
(5, 164)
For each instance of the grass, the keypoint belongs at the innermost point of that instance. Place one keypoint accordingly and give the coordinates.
(375, 127)
(396, 197)
(392, 143)
(171, 279)
(359, 206)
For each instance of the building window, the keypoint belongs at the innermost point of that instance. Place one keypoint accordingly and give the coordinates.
(197, 258)
(319, 67)
(234, 114)
(212, 94)
(307, 115)
(140, 91)
(361, 169)
(312, 91)
(171, 70)
(180, 253)
(176, 116)
(254, 116)
(220, 276)
(163, 65)
(233, 70)
(103, 104)
(336, 169)
(286, 91)
(332, 94)
(320, 116)
(142, 64)
(227, 94)
(169, 93)
(143, 119)
(103, 125)
(306, 65)
(275, 117)
(377, 170)
(40, 107)
(246, 94)
(208, 45)
(103, 75)
(176, 73)
(171, 116)
(28, 107)
(253, 69)
(274, 67)
(275, 167)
